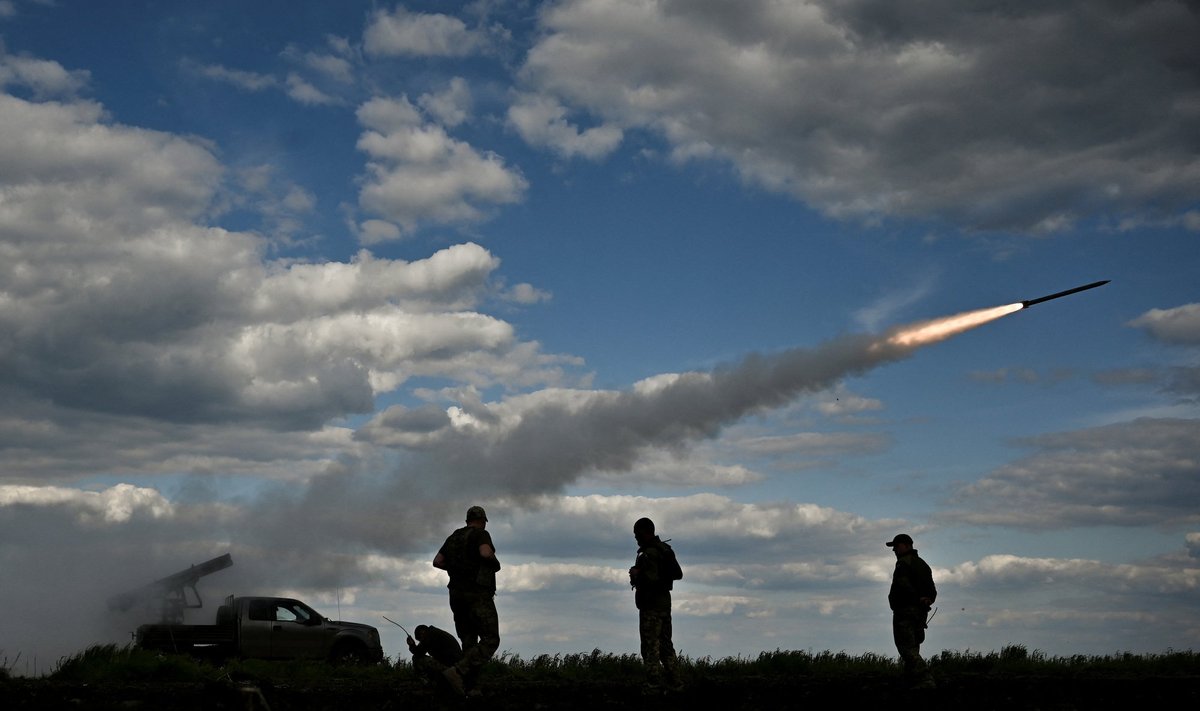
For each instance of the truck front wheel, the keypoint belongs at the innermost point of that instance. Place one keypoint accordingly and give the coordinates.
(349, 652)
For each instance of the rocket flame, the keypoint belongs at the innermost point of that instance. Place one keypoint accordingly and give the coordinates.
(939, 329)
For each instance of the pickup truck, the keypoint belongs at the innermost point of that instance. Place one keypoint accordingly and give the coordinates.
(267, 628)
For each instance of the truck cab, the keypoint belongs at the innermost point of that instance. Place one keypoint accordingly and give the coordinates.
(268, 628)
(283, 628)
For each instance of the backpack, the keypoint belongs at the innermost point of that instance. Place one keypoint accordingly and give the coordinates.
(670, 564)
(455, 549)
(463, 561)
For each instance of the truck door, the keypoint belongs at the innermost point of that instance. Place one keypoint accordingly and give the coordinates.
(256, 619)
(299, 632)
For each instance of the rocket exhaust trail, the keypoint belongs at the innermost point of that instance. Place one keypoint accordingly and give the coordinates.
(920, 334)
(939, 329)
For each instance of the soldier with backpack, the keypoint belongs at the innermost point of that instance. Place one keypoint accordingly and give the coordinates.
(651, 577)
(469, 556)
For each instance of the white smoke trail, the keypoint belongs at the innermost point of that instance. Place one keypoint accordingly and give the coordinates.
(539, 443)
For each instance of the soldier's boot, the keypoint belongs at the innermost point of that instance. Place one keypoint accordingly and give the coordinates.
(452, 677)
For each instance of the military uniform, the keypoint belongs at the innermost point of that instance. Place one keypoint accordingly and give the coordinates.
(472, 598)
(437, 650)
(912, 580)
(653, 599)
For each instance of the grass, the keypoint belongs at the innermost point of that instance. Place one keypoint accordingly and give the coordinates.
(1012, 660)
(113, 663)
(1017, 660)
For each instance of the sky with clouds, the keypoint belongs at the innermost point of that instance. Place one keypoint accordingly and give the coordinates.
(303, 281)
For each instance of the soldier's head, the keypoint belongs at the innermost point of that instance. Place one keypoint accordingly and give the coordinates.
(643, 530)
(419, 632)
(901, 544)
(476, 516)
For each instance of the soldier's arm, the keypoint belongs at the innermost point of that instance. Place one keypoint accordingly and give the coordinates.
(927, 591)
(487, 552)
(439, 561)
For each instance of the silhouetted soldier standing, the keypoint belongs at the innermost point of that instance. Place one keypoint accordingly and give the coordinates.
(470, 558)
(651, 576)
(910, 597)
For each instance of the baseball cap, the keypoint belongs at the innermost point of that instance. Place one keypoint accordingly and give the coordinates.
(900, 538)
(475, 513)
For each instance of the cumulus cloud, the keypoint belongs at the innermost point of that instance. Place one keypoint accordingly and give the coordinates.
(418, 174)
(706, 527)
(324, 77)
(305, 92)
(867, 111)
(247, 81)
(542, 122)
(114, 505)
(45, 78)
(526, 294)
(1139, 473)
(452, 106)
(1008, 572)
(404, 33)
(688, 468)
(1179, 326)
(333, 67)
(117, 298)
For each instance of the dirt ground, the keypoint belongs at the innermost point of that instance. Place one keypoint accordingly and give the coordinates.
(982, 692)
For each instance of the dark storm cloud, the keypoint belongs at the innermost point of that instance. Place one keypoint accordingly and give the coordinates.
(981, 114)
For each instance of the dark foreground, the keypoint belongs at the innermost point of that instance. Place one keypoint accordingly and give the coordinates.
(984, 691)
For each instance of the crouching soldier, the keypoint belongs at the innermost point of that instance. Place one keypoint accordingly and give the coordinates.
(433, 651)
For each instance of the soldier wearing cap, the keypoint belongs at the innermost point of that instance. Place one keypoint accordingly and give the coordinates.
(652, 576)
(910, 597)
(469, 556)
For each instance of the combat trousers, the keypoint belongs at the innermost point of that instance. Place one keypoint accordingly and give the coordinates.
(478, 628)
(908, 631)
(658, 651)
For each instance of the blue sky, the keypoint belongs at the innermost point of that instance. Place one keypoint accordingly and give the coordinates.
(303, 281)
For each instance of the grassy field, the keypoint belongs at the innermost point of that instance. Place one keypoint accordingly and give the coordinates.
(109, 676)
